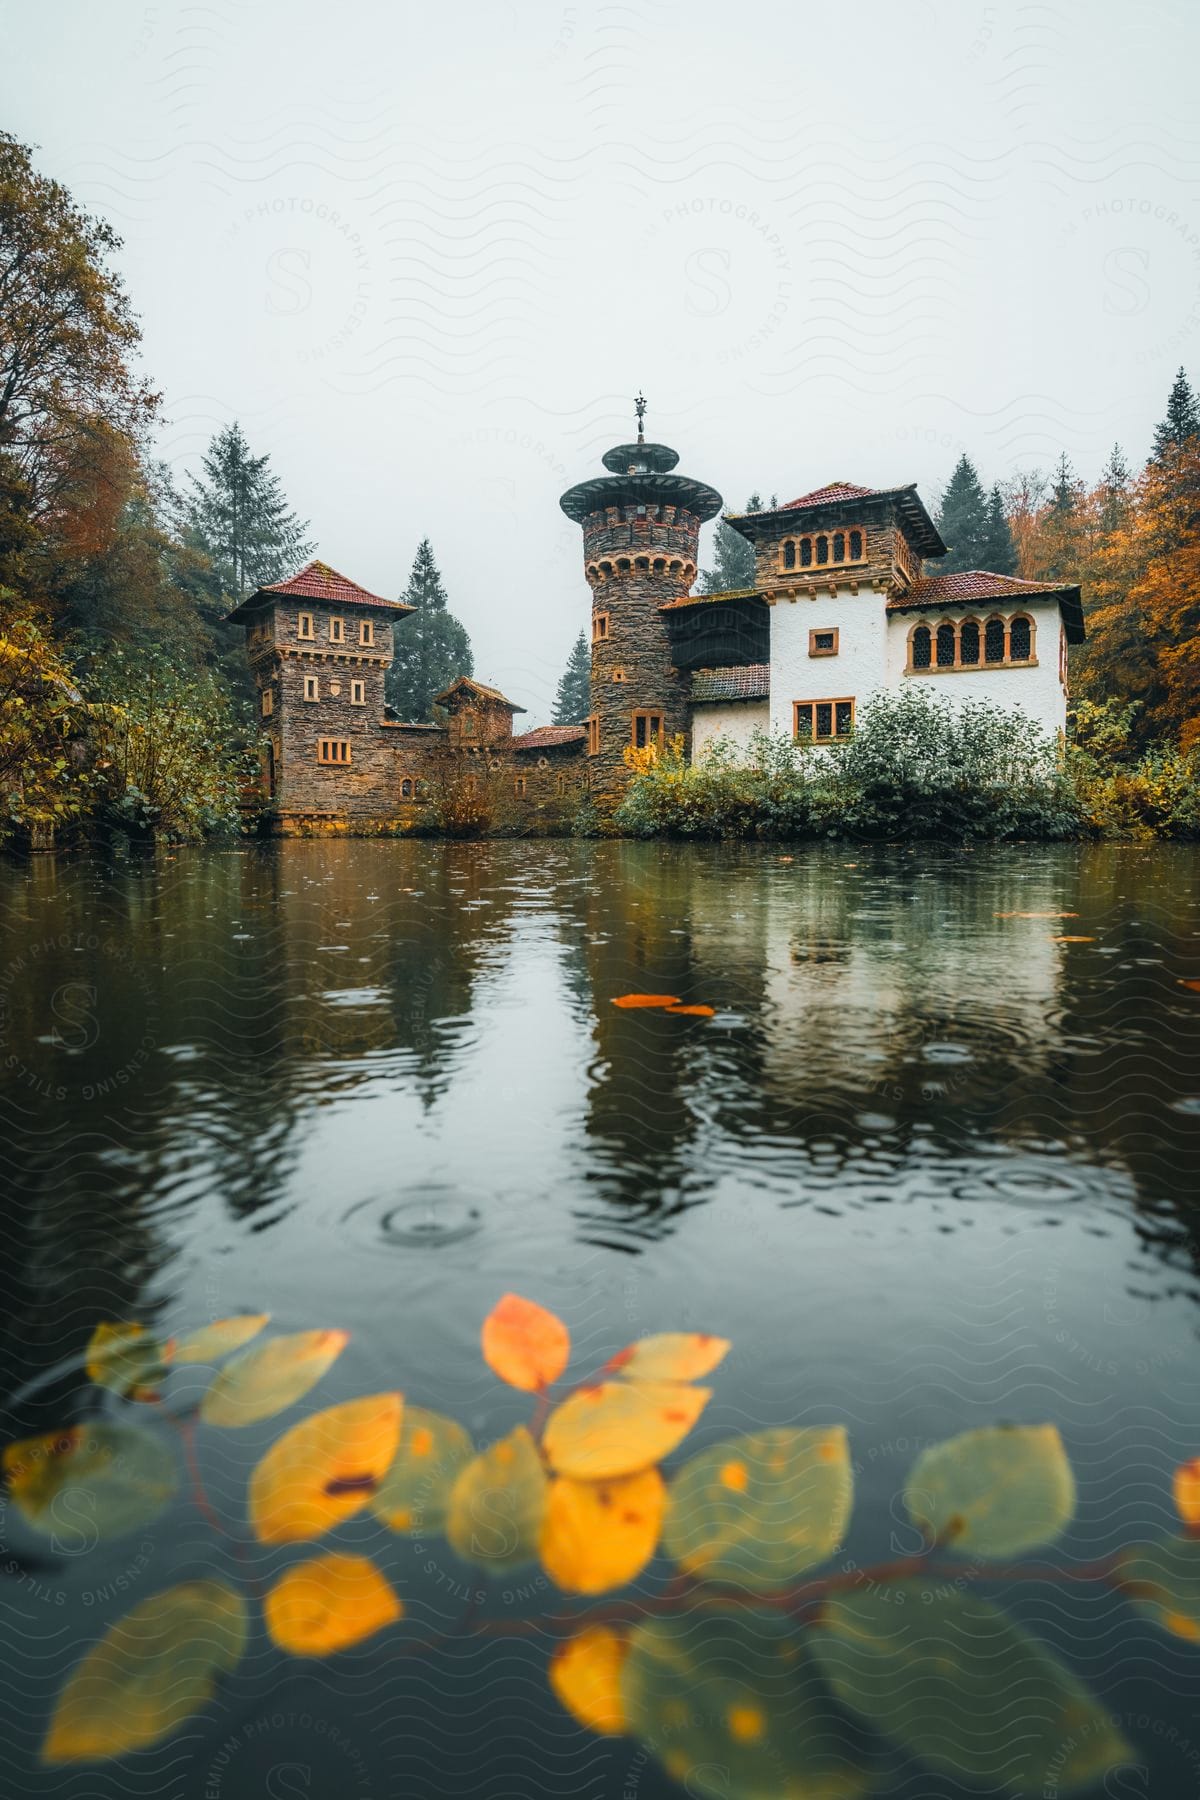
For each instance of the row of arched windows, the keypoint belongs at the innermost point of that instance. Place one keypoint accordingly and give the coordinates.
(674, 566)
(824, 548)
(971, 643)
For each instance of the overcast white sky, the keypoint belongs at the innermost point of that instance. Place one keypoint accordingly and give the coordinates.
(427, 253)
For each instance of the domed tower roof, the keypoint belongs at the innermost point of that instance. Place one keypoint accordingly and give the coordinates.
(641, 475)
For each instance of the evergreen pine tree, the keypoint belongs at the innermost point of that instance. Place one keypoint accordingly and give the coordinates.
(1182, 421)
(997, 552)
(431, 646)
(573, 701)
(963, 520)
(237, 515)
(1112, 493)
(733, 557)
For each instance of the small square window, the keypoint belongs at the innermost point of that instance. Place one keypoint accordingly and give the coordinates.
(304, 626)
(618, 674)
(312, 688)
(337, 631)
(366, 632)
(333, 750)
(358, 693)
(823, 642)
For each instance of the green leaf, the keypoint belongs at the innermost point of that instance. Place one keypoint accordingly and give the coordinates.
(271, 1377)
(149, 1673)
(496, 1505)
(955, 1682)
(733, 1708)
(1163, 1582)
(126, 1359)
(414, 1495)
(211, 1342)
(755, 1511)
(90, 1481)
(993, 1492)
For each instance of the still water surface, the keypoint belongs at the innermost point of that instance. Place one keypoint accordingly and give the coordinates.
(928, 1167)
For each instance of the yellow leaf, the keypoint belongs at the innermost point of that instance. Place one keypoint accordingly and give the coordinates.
(600, 1534)
(127, 1360)
(219, 1338)
(328, 1604)
(585, 1674)
(415, 1492)
(324, 1469)
(619, 1427)
(263, 1381)
(497, 1504)
(148, 1673)
(524, 1344)
(671, 1356)
(1186, 1487)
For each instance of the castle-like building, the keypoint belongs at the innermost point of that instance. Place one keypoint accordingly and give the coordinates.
(841, 608)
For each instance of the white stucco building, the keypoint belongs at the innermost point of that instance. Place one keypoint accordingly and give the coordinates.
(843, 607)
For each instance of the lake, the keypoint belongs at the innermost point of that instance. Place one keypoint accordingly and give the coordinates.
(930, 1166)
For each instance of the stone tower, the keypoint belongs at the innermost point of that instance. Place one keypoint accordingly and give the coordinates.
(641, 531)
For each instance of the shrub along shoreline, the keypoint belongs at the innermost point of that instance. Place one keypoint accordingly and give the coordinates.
(918, 767)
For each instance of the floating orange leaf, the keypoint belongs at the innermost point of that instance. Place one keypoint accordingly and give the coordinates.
(619, 1427)
(1186, 1488)
(126, 1359)
(1072, 940)
(524, 1344)
(586, 1677)
(598, 1535)
(1035, 915)
(220, 1338)
(671, 1356)
(497, 1504)
(328, 1604)
(1190, 982)
(324, 1469)
(696, 1012)
(263, 1381)
(632, 1000)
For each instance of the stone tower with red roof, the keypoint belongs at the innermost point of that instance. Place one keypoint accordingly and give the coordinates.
(641, 531)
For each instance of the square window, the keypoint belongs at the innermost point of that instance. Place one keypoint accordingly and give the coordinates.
(823, 642)
(312, 688)
(358, 693)
(304, 626)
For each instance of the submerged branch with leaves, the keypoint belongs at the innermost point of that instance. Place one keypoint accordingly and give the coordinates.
(741, 1678)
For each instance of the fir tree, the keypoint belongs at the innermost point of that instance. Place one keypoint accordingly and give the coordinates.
(573, 701)
(1181, 423)
(1112, 494)
(431, 646)
(998, 552)
(963, 520)
(237, 515)
(733, 557)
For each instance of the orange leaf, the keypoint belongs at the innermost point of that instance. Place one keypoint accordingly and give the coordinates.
(328, 1604)
(697, 1012)
(619, 1427)
(524, 1344)
(1187, 1491)
(670, 1356)
(600, 1534)
(586, 1677)
(1035, 915)
(324, 1469)
(647, 1000)
(1072, 940)
(272, 1376)
(1189, 982)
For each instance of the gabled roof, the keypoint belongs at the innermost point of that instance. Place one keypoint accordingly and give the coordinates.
(548, 737)
(480, 692)
(836, 490)
(750, 682)
(908, 503)
(971, 587)
(317, 581)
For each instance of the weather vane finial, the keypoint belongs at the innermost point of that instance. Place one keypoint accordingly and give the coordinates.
(640, 409)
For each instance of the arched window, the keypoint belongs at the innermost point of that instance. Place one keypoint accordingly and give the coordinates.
(822, 549)
(922, 647)
(406, 788)
(945, 646)
(968, 643)
(1020, 639)
(806, 553)
(839, 546)
(789, 555)
(993, 641)
(856, 545)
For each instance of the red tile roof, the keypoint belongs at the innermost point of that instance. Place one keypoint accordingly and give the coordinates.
(752, 681)
(546, 737)
(317, 581)
(835, 490)
(479, 688)
(976, 586)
